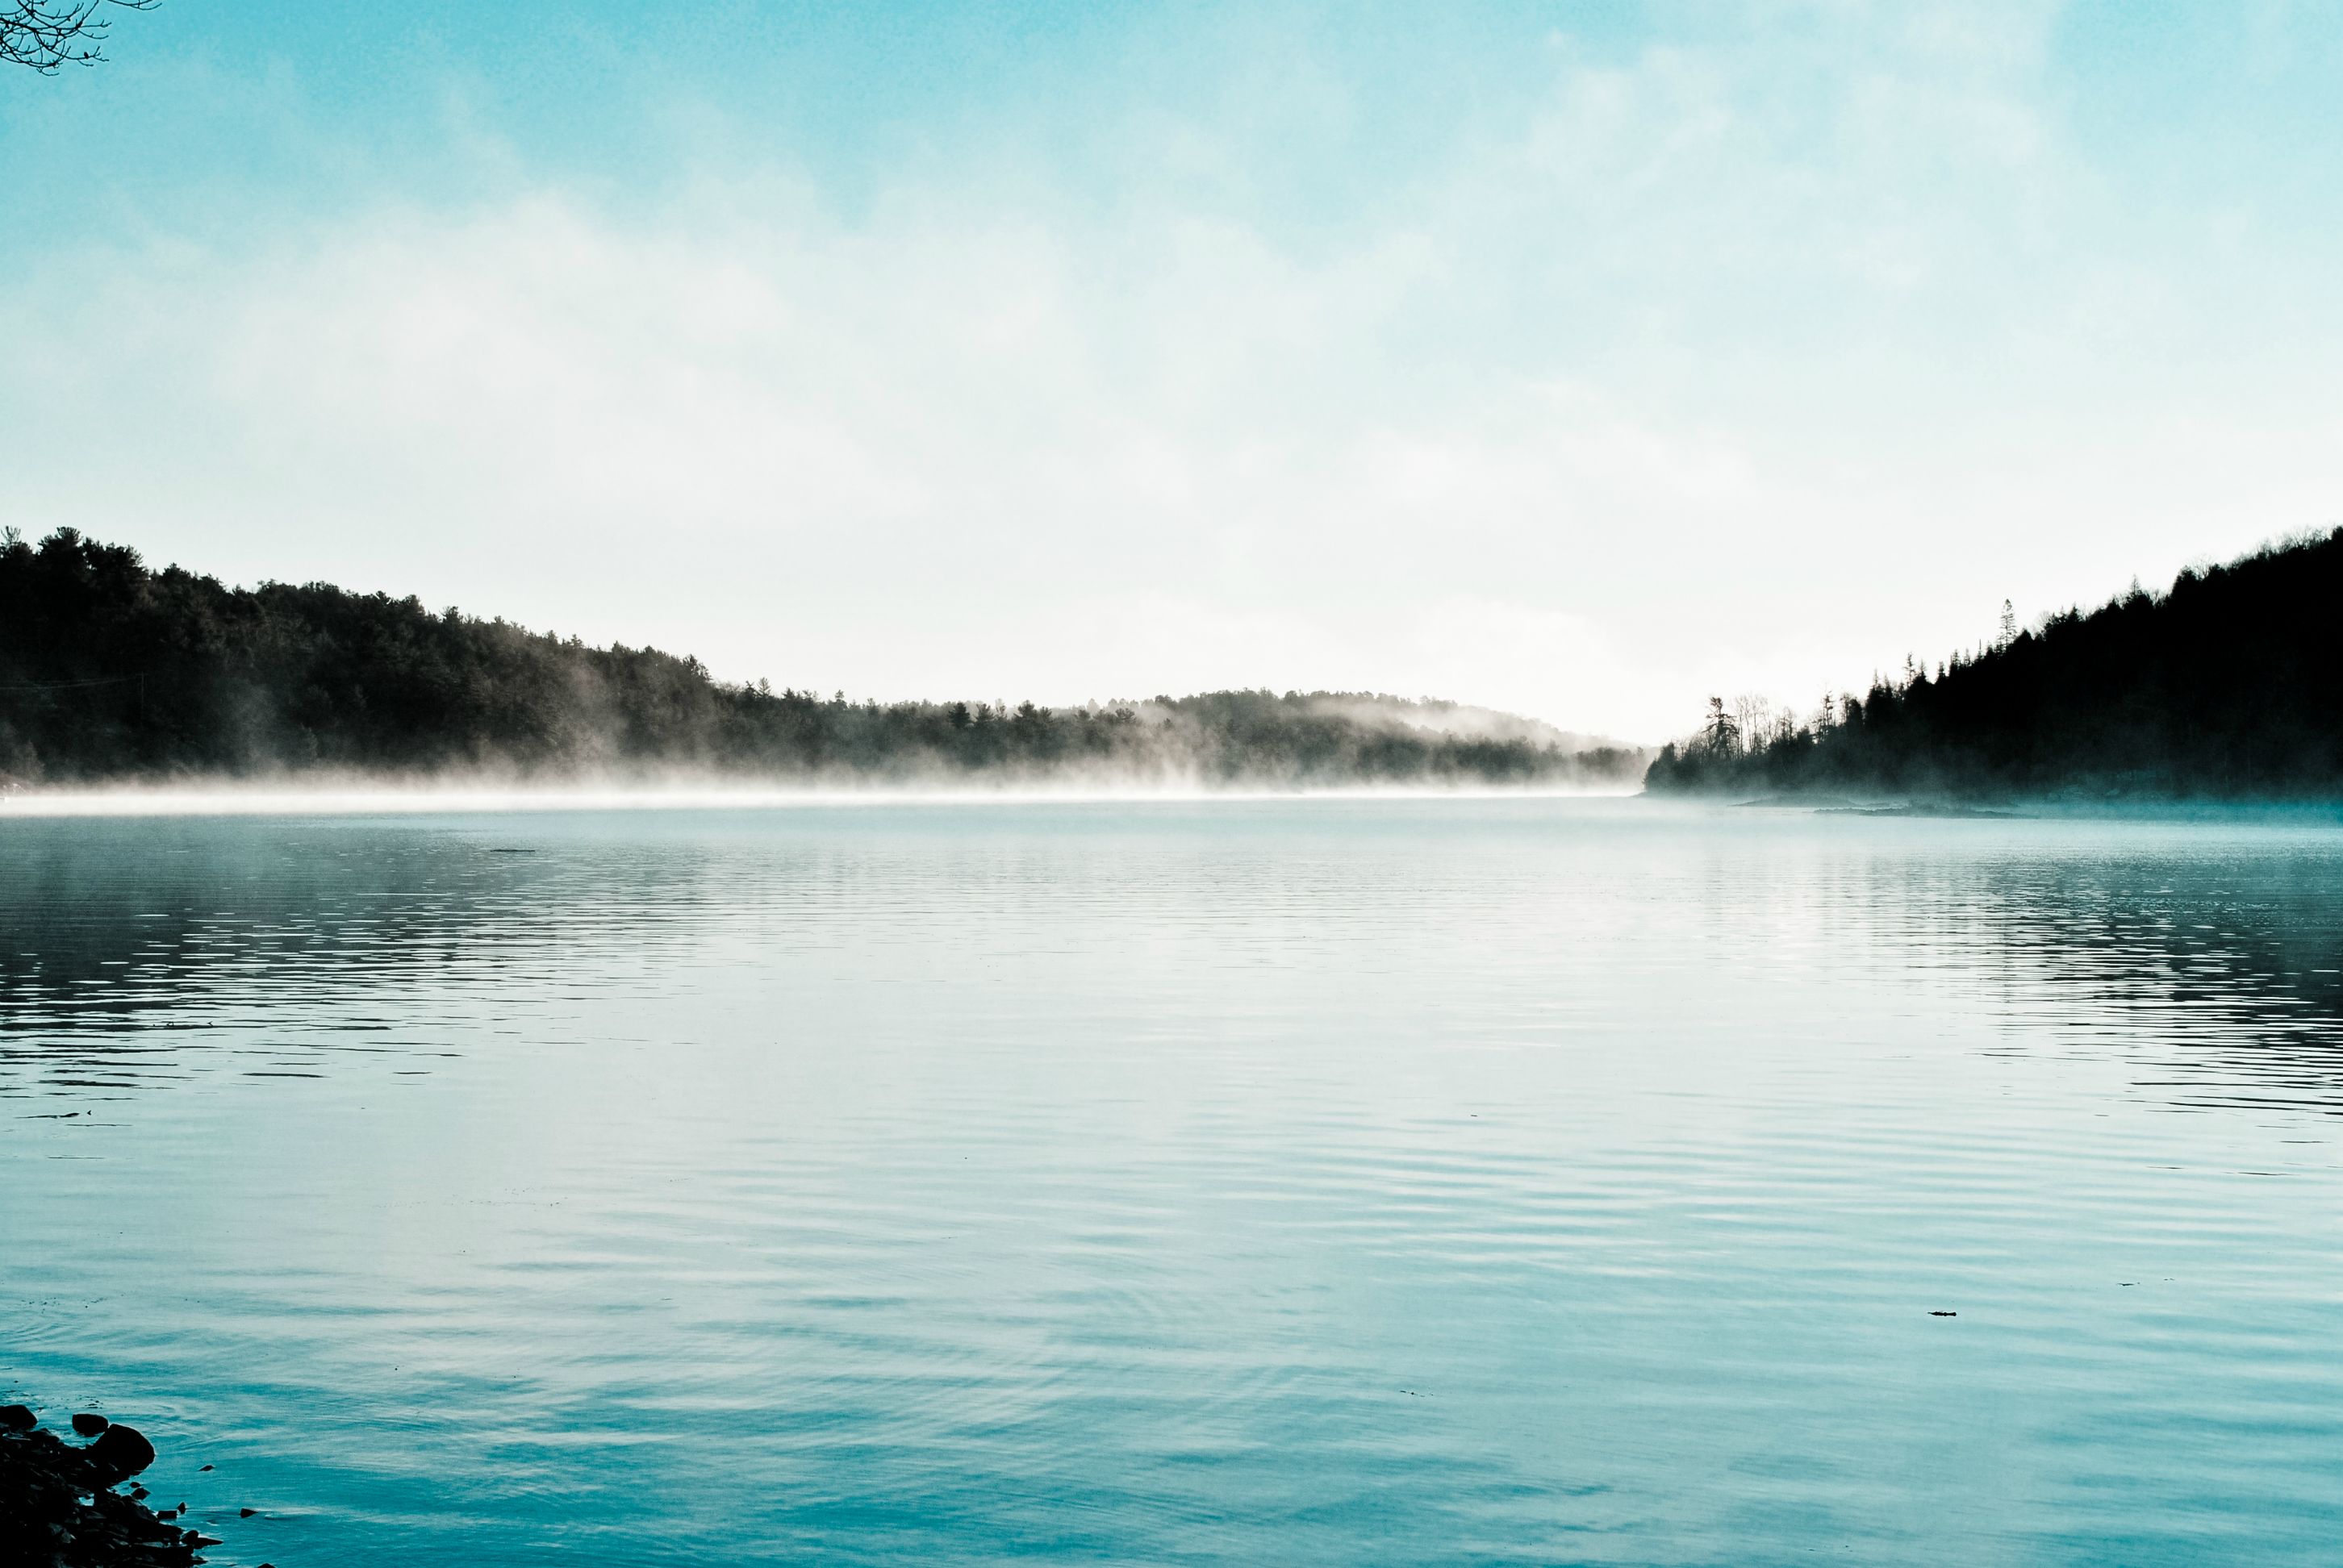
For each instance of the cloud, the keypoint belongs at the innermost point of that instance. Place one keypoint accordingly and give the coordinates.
(905, 456)
(1726, 369)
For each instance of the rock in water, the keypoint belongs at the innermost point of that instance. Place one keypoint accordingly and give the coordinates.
(17, 1417)
(59, 1508)
(90, 1425)
(121, 1451)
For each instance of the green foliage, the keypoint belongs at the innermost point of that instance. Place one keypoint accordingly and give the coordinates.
(109, 670)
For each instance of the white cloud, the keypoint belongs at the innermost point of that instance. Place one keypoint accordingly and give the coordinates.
(1685, 385)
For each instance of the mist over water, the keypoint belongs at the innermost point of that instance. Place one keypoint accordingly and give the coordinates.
(114, 674)
(450, 793)
(1325, 1181)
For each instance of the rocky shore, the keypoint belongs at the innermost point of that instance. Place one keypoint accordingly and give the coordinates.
(60, 1506)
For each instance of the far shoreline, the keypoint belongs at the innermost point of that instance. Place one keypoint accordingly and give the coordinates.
(217, 799)
(2017, 807)
(276, 799)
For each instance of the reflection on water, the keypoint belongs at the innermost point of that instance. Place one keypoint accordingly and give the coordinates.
(1303, 1182)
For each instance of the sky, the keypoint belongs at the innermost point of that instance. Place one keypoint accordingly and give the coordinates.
(1579, 359)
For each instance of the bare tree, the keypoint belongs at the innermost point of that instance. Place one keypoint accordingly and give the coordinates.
(45, 35)
(1753, 719)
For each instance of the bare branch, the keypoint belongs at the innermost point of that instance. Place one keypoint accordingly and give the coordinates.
(44, 35)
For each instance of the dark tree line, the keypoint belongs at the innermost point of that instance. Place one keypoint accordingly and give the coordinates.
(2228, 685)
(110, 670)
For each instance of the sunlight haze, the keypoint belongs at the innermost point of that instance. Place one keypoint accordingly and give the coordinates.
(1573, 360)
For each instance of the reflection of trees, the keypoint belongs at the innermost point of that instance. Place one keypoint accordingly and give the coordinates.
(2209, 956)
(2219, 966)
(128, 938)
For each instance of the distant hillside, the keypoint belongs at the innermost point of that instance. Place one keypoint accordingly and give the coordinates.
(110, 672)
(2228, 686)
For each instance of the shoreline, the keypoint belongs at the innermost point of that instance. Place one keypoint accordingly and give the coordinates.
(44, 1480)
(2019, 808)
(274, 799)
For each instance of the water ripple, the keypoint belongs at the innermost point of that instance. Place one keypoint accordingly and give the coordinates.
(1337, 1183)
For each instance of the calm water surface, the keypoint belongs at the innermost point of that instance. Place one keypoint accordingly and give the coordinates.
(1300, 1183)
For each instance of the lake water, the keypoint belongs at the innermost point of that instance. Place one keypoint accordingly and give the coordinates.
(1306, 1182)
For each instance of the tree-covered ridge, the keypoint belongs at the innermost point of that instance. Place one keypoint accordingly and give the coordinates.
(2228, 685)
(111, 670)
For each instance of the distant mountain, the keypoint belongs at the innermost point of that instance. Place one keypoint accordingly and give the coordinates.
(112, 672)
(2226, 686)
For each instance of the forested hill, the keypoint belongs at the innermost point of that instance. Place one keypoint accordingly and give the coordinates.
(112, 672)
(2226, 686)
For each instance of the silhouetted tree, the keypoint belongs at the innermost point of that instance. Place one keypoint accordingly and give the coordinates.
(1722, 734)
(2228, 685)
(110, 670)
(46, 36)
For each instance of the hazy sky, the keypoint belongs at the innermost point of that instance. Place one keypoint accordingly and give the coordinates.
(1582, 359)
